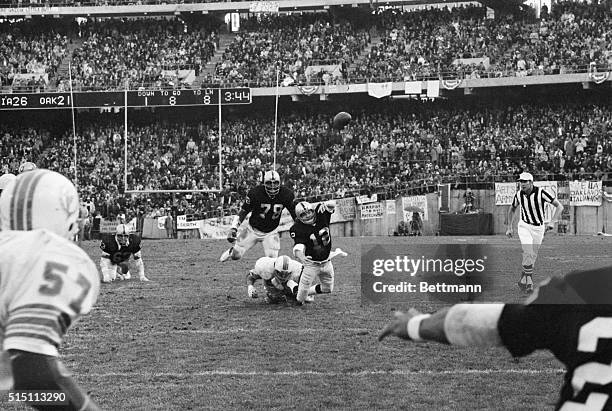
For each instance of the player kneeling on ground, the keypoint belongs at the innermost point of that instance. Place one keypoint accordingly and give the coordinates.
(279, 275)
(46, 283)
(116, 251)
(313, 248)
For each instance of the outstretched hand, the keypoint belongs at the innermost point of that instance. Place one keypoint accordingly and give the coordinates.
(399, 325)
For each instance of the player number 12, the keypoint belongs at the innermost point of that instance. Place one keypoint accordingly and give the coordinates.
(324, 234)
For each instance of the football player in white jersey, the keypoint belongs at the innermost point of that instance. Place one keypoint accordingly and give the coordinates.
(278, 274)
(46, 283)
(5, 179)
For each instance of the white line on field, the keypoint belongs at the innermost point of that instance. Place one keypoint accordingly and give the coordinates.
(91, 335)
(367, 373)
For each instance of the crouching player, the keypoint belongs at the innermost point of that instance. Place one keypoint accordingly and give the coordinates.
(279, 275)
(116, 251)
(313, 244)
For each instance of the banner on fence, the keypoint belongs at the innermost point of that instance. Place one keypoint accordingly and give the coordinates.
(504, 192)
(585, 193)
(415, 203)
(345, 210)
(183, 224)
(367, 199)
(371, 210)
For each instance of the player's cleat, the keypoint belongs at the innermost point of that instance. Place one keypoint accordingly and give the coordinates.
(529, 288)
(127, 276)
(144, 279)
(309, 299)
(226, 255)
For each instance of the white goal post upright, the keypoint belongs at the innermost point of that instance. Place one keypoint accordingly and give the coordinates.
(74, 138)
(276, 117)
(220, 146)
(125, 136)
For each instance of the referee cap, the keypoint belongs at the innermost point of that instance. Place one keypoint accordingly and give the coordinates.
(525, 177)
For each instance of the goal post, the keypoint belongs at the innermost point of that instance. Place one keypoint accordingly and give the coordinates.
(223, 97)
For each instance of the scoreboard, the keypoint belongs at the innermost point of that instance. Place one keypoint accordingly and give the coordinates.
(135, 98)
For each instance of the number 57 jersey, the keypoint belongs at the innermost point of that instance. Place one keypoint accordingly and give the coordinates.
(46, 284)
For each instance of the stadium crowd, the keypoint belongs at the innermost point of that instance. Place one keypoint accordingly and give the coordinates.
(140, 52)
(27, 48)
(388, 45)
(389, 151)
(426, 43)
(291, 44)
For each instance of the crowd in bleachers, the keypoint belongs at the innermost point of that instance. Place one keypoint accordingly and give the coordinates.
(389, 151)
(29, 48)
(425, 43)
(290, 44)
(462, 42)
(142, 52)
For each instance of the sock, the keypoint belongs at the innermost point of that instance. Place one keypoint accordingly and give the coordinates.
(315, 289)
(526, 274)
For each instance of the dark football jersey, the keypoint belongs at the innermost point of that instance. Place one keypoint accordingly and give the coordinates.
(119, 254)
(571, 317)
(266, 211)
(316, 238)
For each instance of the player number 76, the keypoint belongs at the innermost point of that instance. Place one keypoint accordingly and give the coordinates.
(54, 275)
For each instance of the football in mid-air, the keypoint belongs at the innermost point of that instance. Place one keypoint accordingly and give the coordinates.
(341, 119)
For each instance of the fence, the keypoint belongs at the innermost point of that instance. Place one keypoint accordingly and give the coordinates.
(371, 216)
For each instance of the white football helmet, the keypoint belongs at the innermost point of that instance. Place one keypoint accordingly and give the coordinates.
(272, 183)
(281, 268)
(122, 234)
(304, 211)
(5, 179)
(40, 199)
(27, 166)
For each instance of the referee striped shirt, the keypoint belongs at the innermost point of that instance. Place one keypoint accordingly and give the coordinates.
(532, 205)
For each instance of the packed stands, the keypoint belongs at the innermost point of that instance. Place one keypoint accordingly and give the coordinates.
(291, 44)
(30, 53)
(463, 43)
(148, 53)
(389, 149)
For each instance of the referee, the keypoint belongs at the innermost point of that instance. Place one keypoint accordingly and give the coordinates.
(531, 201)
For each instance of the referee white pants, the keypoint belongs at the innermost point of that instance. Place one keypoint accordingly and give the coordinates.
(531, 238)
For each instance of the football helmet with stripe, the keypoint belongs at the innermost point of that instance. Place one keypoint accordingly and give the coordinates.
(40, 199)
(281, 268)
(272, 183)
(122, 234)
(305, 212)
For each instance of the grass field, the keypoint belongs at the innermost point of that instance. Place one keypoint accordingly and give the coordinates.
(192, 339)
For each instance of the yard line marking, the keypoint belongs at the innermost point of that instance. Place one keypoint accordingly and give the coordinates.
(367, 373)
(88, 334)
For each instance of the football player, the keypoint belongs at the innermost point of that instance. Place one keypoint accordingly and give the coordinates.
(571, 317)
(276, 274)
(46, 283)
(266, 204)
(27, 166)
(116, 251)
(312, 247)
